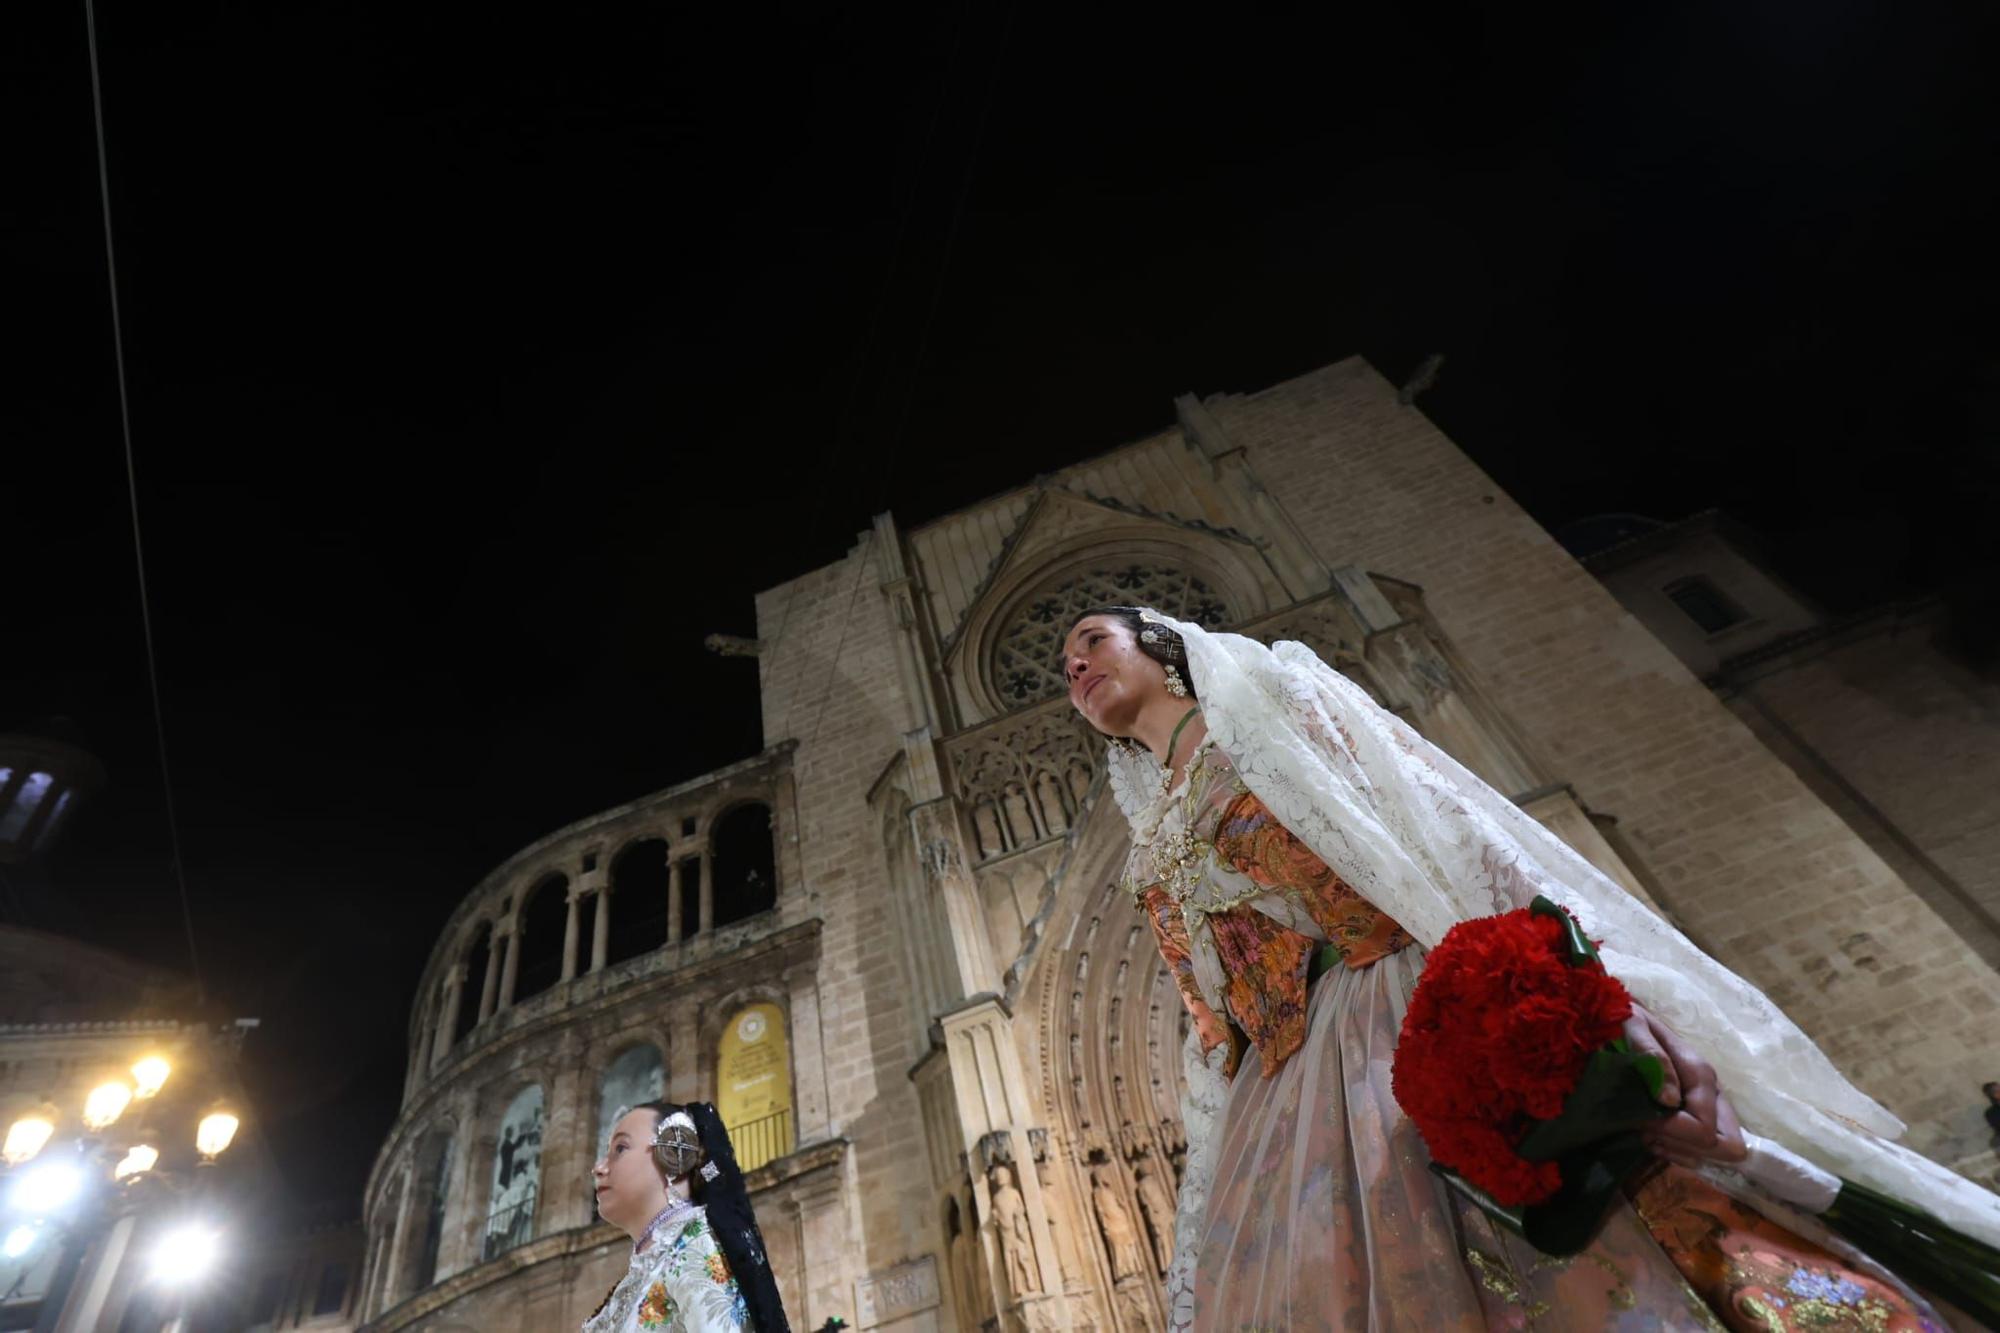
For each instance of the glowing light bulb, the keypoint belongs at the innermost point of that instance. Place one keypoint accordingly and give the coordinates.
(137, 1162)
(212, 1136)
(28, 1136)
(106, 1103)
(44, 1189)
(150, 1075)
(186, 1253)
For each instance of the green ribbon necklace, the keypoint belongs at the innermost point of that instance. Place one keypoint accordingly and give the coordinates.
(1167, 780)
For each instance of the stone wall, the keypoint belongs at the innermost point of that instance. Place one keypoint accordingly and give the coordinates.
(830, 681)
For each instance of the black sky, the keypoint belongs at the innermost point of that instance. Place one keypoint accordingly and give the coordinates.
(480, 365)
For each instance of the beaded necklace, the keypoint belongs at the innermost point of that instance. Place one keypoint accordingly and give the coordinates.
(675, 1211)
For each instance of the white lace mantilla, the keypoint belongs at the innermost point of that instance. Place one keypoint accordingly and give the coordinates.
(679, 1284)
(1430, 844)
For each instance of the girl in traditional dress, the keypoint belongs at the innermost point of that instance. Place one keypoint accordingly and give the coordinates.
(1295, 850)
(668, 1178)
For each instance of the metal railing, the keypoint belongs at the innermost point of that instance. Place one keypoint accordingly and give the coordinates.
(508, 1226)
(762, 1140)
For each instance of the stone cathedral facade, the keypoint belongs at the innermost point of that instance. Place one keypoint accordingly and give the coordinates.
(892, 949)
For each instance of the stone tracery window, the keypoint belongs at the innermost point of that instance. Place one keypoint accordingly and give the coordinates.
(1025, 660)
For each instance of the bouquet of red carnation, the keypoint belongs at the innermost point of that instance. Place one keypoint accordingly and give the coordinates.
(1512, 1066)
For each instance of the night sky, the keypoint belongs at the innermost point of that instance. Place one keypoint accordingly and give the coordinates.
(480, 366)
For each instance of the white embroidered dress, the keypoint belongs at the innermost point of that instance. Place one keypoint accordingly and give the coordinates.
(678, 1283)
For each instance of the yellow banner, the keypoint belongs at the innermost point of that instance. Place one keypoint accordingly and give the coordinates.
(754, 1067)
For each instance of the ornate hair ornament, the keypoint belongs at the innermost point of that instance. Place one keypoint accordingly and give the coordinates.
(677, 1145)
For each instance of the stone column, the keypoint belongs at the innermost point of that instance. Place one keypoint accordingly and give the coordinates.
(683, 1054)
(457, 1245)
(901, 591)
(392, 1281)
(569, 1141)
(87, 1313)
(510, 970)
(489, 989)
(935, 831)
(573, 898)
(673, 896)
(476, 1195)
(447, 1028)
(707, 888)
(600, 928)
(370, 1304)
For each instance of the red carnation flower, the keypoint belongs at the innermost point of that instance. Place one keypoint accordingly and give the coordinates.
(1496, 1036)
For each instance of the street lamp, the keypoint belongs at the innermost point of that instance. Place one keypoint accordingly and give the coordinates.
(212, 1136)
(45, 1188)
(89, 1197)
(136, 1162)
(149, 1076)
(106, 1102)
(28, 1135)
(185, 1253)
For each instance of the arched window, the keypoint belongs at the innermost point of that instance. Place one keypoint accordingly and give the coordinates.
(636, 1076)
(638, 900)
(1026, 666)
(474, 985)
(517, 1174)
(753, 1084)
(540, 939)
(746, 876)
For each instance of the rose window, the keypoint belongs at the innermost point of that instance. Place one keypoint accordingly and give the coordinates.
(1027, 662)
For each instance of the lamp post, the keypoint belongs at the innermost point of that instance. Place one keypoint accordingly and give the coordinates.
(98, 1182)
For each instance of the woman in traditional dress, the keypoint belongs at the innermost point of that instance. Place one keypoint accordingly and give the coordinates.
(668, 1178)
(1295, 850)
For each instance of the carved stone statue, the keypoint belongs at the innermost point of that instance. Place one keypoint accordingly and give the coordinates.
(1121, 1238)
(1017, 1246)
(1159, 1211)
(1052, 1206)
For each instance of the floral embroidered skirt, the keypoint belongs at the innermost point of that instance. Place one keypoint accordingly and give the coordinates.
(1324, 1215)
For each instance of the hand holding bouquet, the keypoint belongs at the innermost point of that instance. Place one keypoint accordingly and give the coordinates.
(1537, 1094)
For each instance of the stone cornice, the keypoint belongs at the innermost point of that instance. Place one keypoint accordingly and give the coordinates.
(1739, 671)
(92, 1029)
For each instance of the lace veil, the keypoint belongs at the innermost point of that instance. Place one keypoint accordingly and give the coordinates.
(1429, 843)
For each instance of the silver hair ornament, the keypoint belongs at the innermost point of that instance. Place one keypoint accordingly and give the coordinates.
(676, 1146)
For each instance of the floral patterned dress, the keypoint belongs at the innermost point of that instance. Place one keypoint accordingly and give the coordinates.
(1321, 1213)
(678, 1283)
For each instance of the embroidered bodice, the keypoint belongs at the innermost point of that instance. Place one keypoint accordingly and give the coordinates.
(1239, 906)
(680, 1283)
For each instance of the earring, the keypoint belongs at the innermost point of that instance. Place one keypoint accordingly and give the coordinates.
(1175, 685)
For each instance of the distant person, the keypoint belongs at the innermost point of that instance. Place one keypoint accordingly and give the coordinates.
(669, 1179)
